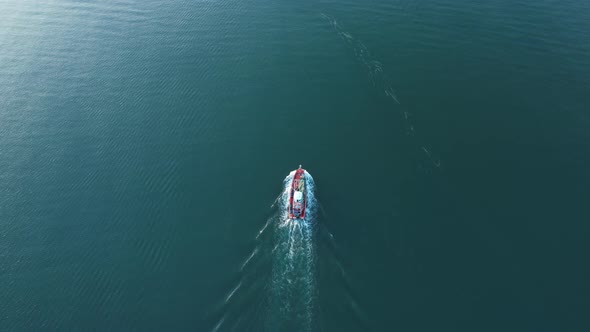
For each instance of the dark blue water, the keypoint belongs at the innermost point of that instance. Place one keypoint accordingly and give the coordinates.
(144, 147)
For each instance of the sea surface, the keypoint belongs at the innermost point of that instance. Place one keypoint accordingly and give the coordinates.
(145, 149)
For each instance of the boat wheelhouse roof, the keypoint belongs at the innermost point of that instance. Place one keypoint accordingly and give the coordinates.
(298, 196)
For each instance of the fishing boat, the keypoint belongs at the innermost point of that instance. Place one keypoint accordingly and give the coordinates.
(297, 196)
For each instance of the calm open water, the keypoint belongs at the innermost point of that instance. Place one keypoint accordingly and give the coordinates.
(142, 144)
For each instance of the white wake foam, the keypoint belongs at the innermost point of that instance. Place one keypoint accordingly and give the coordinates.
(292, 285)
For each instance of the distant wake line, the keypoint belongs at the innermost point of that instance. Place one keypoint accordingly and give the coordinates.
(379, 80)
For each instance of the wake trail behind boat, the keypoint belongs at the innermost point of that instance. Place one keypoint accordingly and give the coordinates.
(276, 287)
(292, 287)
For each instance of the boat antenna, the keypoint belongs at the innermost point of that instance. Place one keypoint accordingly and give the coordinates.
(299, 166)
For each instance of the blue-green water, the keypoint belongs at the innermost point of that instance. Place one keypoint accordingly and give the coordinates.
(142, 144)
